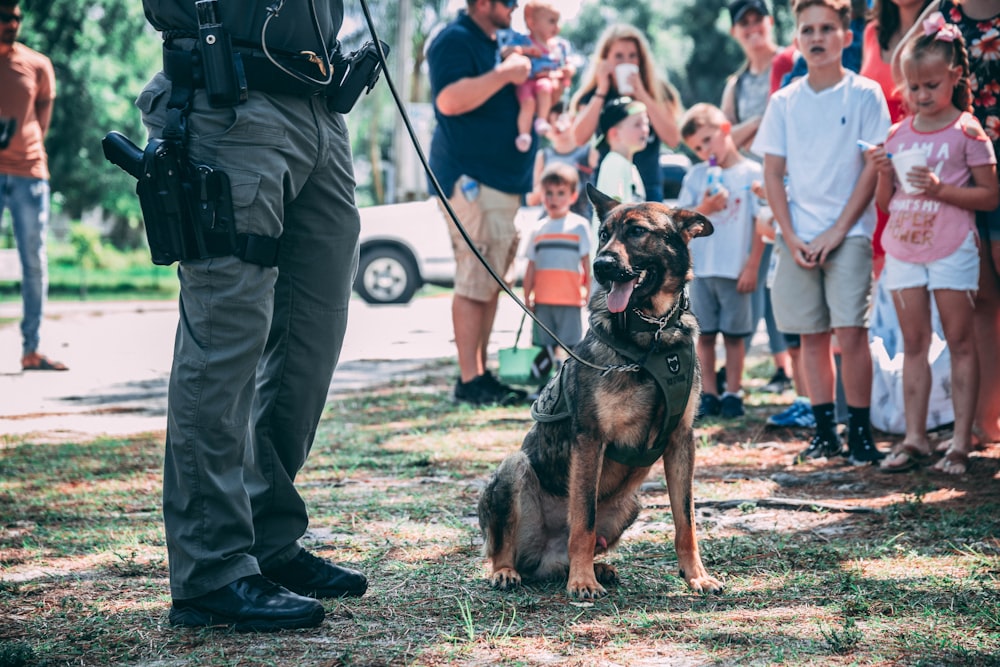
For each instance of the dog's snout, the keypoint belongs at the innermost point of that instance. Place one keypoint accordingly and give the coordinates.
(608, 268)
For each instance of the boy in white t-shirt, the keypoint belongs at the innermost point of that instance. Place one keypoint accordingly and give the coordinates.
(823, 275)
(726, 263)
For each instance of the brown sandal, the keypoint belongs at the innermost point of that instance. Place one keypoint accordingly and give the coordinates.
(904, 457)
(39, 362)
(953, 463)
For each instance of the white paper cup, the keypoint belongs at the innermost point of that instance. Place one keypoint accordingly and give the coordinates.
(905, 161)
(623, 72)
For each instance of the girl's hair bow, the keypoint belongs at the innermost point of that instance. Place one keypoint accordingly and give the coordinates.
(936, 25)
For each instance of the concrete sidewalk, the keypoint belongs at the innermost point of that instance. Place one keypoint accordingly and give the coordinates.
(119, 355)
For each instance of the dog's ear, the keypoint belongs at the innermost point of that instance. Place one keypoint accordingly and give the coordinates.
(692, 224)
(603, 204)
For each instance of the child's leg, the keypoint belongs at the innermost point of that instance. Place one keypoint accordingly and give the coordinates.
(857, 365)
(913, 309)
(735, 356)
(526, 115)
(706, 358)
(544, 98)
(817, 367)
(957, 315)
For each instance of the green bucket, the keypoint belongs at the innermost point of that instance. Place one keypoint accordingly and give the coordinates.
(515, 364)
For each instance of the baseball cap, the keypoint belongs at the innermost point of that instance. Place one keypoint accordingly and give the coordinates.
(740, 7)
(615, 112)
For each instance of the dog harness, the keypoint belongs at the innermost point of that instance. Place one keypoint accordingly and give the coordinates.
(672, 367)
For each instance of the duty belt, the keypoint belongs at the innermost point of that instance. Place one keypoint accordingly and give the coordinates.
(183, 68)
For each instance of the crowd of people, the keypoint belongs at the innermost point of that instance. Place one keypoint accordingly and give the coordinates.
(800, 173)
(794, 170)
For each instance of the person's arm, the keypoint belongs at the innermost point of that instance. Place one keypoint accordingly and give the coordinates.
(885, 185)
(981, 196)
(534, 198)
(588, 115)
(471, 92)
(43, 110)
(528, 283)
(662, 114)
(777, 199)
(741, 132)
(585, 276)
(821, 246)
(747, 281)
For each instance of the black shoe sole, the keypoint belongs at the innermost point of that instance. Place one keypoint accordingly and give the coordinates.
(197, 618)
(329, 593)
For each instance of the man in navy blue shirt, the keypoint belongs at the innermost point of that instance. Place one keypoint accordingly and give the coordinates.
(474, 158)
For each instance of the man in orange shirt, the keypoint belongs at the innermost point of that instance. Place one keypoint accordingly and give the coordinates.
(27, 89)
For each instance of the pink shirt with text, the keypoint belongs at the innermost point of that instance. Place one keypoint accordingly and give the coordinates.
(922, 229)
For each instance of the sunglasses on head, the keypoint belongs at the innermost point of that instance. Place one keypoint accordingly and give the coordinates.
(507, 3)
(6, 17)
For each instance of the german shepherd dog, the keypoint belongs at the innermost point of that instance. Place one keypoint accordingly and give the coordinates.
(573, 488)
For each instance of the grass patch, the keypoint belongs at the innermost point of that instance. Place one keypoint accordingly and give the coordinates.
(392, 486)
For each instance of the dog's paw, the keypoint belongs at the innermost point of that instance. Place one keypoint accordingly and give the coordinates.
(585, 588)
(705, 584)
(504, 578)
(606, 574)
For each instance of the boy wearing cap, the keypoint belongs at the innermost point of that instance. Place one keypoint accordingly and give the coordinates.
(823, 273)
(623, 130)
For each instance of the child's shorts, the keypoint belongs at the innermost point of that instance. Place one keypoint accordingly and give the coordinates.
(565, 321)
(531, 87)
(719, 307)
(958, 271)
(834, 295)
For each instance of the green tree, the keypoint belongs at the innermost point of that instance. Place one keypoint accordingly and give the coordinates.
(103, 52)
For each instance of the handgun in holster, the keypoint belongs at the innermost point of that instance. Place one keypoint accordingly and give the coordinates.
(187, 208)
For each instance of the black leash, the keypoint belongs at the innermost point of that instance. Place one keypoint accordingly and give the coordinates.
(454, 217)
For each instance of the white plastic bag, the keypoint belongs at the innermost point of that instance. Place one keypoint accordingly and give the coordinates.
(887, 413)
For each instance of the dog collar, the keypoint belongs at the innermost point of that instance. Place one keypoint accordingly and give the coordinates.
(635, 321)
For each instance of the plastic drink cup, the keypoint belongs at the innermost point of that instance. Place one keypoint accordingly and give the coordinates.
(905, 161)
(623, 71)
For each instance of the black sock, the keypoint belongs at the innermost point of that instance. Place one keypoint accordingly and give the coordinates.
(859, 427)
(826, 421)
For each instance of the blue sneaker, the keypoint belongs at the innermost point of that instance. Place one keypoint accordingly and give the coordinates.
(799, 413)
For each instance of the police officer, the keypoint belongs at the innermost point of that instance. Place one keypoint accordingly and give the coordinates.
(260, 331)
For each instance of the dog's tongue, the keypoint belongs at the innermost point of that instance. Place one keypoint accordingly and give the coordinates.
(620, 294)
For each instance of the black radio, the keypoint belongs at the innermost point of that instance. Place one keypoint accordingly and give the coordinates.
(356, 73)
(8, 126)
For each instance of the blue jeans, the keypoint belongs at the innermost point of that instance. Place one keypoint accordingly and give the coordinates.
(28, 201)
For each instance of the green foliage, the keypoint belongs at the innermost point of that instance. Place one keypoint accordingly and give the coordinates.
(86, 244)
(15, 654)
(102, 52)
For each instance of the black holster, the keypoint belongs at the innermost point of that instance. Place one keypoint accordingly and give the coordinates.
(187, 208)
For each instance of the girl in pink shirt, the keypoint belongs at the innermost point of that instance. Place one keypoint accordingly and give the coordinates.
(930, 241)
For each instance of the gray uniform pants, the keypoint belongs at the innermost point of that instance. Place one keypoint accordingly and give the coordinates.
(255, 347)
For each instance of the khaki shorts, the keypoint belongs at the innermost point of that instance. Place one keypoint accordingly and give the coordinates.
(835, 295)
(489, 220)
